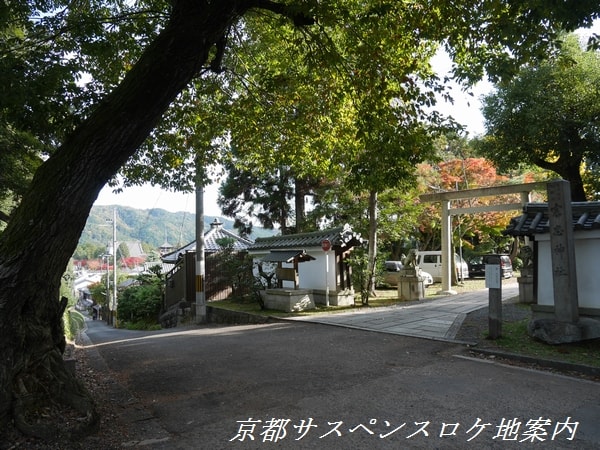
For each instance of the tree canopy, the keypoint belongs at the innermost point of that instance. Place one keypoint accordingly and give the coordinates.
(548, 115)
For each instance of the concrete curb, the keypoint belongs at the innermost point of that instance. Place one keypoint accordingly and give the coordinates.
(544, 363)
(223, 316)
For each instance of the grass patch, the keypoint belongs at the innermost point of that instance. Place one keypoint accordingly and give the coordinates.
(74, 322)
(516, 340)
(468, 285)
(140, 325)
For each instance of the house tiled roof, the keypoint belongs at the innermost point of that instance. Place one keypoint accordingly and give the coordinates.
(339, 237)
(535, 219)
(216, 233)
(211, 245)
(287, 256)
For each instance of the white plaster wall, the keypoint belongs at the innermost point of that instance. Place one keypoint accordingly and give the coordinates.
(313, 274)
(587, 266)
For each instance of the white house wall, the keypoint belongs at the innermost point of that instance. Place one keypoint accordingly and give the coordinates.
(587, 251)
(311, 274)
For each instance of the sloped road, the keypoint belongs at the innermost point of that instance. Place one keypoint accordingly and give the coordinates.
(299, 385)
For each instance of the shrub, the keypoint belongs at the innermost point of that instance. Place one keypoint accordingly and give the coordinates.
(358, 260)
(140, 303)
(236, 268)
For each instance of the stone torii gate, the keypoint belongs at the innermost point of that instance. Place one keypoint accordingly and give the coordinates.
(445, 199)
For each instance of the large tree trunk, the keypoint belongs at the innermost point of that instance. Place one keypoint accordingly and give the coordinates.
(576, 183)
(43, 233)
(569, 168)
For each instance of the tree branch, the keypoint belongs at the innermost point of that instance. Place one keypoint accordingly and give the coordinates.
(215, 64)
(4, 217)
(300, 18)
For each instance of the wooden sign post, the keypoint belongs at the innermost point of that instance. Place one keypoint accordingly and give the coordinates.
(493, 282)
(326, 246)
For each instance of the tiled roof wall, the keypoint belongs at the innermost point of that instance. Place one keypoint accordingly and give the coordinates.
(535, 219)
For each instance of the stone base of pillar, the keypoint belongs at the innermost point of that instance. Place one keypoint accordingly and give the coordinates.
(526, 290)
(410, 285)
(552, 331)
(289, 300)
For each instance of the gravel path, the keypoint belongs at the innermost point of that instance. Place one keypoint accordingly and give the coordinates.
(476, 323)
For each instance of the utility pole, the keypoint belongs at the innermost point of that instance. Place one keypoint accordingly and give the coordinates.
(112, 305)
(115, 303)
(107, 258)
(200, 262)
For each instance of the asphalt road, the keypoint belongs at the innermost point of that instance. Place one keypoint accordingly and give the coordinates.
(302, 385)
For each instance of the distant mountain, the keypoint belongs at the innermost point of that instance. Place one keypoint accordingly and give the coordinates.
(149, 226)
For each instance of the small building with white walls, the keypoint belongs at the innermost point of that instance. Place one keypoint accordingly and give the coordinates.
(305, 265)
(534, 223)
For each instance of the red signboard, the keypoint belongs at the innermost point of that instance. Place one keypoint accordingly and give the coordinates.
(326, 245)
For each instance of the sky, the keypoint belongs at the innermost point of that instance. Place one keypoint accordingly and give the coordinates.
(149, 197)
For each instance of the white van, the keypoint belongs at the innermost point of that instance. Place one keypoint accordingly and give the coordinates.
(431, 261)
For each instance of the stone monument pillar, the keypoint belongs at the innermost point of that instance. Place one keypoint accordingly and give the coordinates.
(562, 250)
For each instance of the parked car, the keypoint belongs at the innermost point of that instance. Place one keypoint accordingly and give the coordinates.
(505, 263)
(477, 265)
(392, 269)
(431, 261)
